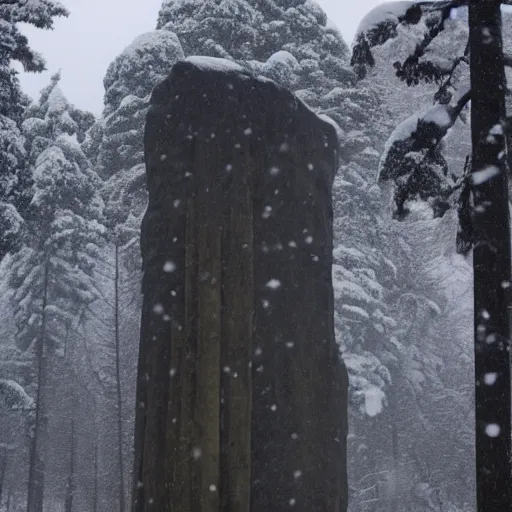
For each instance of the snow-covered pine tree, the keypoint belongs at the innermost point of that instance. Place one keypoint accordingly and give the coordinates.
(423, 172)
(51, 275)
(254, 29)
(120, 157)
(14, 47)
(371, 273)
(414, 156)
(427, 302)
(116, 141)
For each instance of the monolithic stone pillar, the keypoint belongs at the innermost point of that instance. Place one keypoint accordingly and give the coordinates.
(242, 396)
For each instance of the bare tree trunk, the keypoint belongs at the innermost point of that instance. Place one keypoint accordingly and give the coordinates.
(95, 488)
(394, 489)
(118, 382)
(9, 496)
(95, 446)
(3, 468)
(491, 257)
(70, 488)
(36, 468)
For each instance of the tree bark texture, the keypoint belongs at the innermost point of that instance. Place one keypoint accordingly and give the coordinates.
(242, 395)
(491, 258)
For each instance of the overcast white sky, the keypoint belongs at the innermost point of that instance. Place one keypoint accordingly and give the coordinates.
(84, 44)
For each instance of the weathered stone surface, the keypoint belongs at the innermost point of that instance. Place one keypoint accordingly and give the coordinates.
(242, 396)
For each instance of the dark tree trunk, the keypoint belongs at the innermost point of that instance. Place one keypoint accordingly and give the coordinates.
(491, 258)
(393, 500)
(96, 476)
(119, 404)
(70, 486)
(241, 395)
(36, 462)
(3, 469)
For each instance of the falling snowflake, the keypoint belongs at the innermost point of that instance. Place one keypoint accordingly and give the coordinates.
(490, 378)
(273, 284)
(169, 266)
(492, 430)
(485, 175)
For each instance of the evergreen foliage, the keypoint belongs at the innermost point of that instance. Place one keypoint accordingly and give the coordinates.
(63, 229)
(424, 162)
(413, 158)
(14, 47)
(128, 84)
(244, 30)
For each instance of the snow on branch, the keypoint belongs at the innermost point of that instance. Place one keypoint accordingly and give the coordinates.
(412, 158)
(380, 25)
(377, 27)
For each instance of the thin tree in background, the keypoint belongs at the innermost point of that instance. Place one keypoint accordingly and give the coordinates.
(84, 390)
(117, 296)
(414, 162)
(119, 396)
(36, 461)
(71, 479)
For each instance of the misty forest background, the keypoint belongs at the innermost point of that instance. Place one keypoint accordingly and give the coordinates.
(72, 195)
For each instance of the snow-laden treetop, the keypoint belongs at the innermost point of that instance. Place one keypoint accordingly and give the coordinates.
(140, 66)
(245, 30)
(389, 11)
